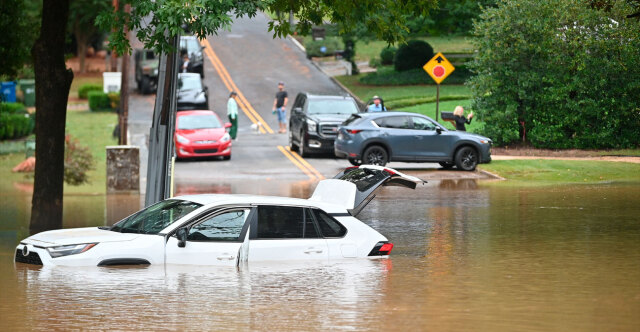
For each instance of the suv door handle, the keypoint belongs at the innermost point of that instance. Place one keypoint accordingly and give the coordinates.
(313, 250)
(228, 258)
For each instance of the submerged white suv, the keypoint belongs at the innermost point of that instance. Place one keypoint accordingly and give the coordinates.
(230, 229)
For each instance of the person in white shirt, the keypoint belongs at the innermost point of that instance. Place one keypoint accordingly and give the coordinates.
(377, 105)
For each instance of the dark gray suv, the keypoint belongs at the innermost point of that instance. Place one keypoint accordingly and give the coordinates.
(378, 138)
(314, 121)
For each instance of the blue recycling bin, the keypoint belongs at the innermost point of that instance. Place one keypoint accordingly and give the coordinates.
(9, 92)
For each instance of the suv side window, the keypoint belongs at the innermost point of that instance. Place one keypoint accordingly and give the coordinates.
(396, 122)
(285, 222)
(422, 123)
(329, 227)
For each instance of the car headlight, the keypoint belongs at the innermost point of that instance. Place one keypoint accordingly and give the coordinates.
(181, 139)
(67, 250)
(485, 141)
(225, 138)
(155, 72)
(312, 125)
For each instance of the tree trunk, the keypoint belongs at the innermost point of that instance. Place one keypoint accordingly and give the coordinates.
(53, 81)
(81, 48)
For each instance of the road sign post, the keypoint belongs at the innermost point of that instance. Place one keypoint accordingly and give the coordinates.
(438, 68)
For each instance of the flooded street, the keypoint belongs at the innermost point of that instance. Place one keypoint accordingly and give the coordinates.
(468, 255)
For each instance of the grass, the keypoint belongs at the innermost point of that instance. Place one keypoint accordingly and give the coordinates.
(620, 152)
(545, 171)
(91, 129)
(82, 80)
(389, 93)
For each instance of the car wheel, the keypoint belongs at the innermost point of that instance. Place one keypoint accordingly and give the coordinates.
(466, 158)
(446, 165)
(302, 148)
(292, 145)
(354, 162)
(226, 157)
(375, 155)
(145, 85)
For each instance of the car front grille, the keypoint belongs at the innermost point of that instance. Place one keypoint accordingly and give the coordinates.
(205, 150)
(31, 258)
(329, 130)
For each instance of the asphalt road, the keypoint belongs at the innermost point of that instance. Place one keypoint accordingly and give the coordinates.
(248, 60)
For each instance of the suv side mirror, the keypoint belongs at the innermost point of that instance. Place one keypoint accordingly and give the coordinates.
(439, 130)
(181, 234)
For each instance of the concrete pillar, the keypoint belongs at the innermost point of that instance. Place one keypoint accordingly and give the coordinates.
(123, 169)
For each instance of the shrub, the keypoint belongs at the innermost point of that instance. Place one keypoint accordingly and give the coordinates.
(387, 55)
(374, 63)
(558, 74)
(83, 90)
(77, 162)
(114, 100)
(12, 108)
(15, 125)
(413, 54)
(99, 101)
(388, 76)
(331, 44)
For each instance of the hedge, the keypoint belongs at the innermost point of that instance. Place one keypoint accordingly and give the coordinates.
(332, 44)
(412, 55)
(15, 122)
(100, 101)
(388, 76)
(12, 108)
(83, 90)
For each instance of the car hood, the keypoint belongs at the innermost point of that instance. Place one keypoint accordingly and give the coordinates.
(201, 134)
(77, 236)
(191, 96)
(329, 117)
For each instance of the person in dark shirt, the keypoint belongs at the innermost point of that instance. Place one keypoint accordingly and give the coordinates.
(279, 105)
(458, 117)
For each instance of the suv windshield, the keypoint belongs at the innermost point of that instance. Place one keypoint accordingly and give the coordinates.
(191, 45)
(198, 122)
(190, 82)
(332, 106)
(156, 217)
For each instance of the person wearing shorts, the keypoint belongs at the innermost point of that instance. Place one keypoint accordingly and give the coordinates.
(279, 104)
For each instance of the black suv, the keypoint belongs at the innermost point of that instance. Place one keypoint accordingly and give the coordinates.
(314, 121)
(189, 45)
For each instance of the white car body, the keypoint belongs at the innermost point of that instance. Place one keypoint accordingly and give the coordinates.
(227, 230)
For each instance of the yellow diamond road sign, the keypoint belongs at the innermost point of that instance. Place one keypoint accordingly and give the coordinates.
(438, 68)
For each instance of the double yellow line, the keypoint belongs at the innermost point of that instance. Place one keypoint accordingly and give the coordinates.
(302, 164)
(228, 82)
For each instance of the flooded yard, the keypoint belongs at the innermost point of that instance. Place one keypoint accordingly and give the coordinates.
(468, 255)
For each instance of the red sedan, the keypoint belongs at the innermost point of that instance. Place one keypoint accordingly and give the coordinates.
(201, 134)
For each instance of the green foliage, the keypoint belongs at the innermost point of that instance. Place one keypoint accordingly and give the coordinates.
(78, 161)
(413, 101)
(388, 76)
(114, 99)
(452, 17)
(332, 44)
(15, 122)
(412, 55)
(99, 101)
(19, 25)
(387, 55)
(12, 108)
(558, 74)
(84, 89)
(206, 17)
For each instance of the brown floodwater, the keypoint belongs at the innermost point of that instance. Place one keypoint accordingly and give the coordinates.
(468, 256)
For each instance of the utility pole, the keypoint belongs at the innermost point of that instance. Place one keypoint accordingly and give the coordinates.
(162, 128)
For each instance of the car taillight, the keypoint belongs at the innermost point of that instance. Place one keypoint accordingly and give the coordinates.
(382, 248)
(353, 131)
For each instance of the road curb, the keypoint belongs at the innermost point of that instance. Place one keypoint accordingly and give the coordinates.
(491, 175)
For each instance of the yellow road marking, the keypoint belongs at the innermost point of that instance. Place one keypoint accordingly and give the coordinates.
(226, 78)
(296, 162)
(305, 163)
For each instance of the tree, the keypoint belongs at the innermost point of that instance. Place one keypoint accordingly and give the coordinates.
(82, 16)
(154, 22)
(19, 26)
(558, 74)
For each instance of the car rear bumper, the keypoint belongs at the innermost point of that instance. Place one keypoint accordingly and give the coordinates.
(342, 149)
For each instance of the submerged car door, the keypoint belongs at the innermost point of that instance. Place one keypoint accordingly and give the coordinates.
(213, 239)
(356, 186)
(285, 233)
(429, 143)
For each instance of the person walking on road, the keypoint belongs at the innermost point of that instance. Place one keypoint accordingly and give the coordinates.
(279, 105)
(458, 117)
(232, 113)
(377, 105)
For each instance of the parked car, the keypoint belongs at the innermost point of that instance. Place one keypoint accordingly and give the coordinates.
(201, 134)
(314, 121)
(146, 68)
(192, 93)
(231, 229)
(378, 138)
(189, 45)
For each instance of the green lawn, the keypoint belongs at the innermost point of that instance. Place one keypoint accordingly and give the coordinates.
(90, 128)
(79, 81)
(389, 93)
(367, 51)
(545, 171)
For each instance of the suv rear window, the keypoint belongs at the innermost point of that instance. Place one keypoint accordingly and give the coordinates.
(284, 222)
(329, 227)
